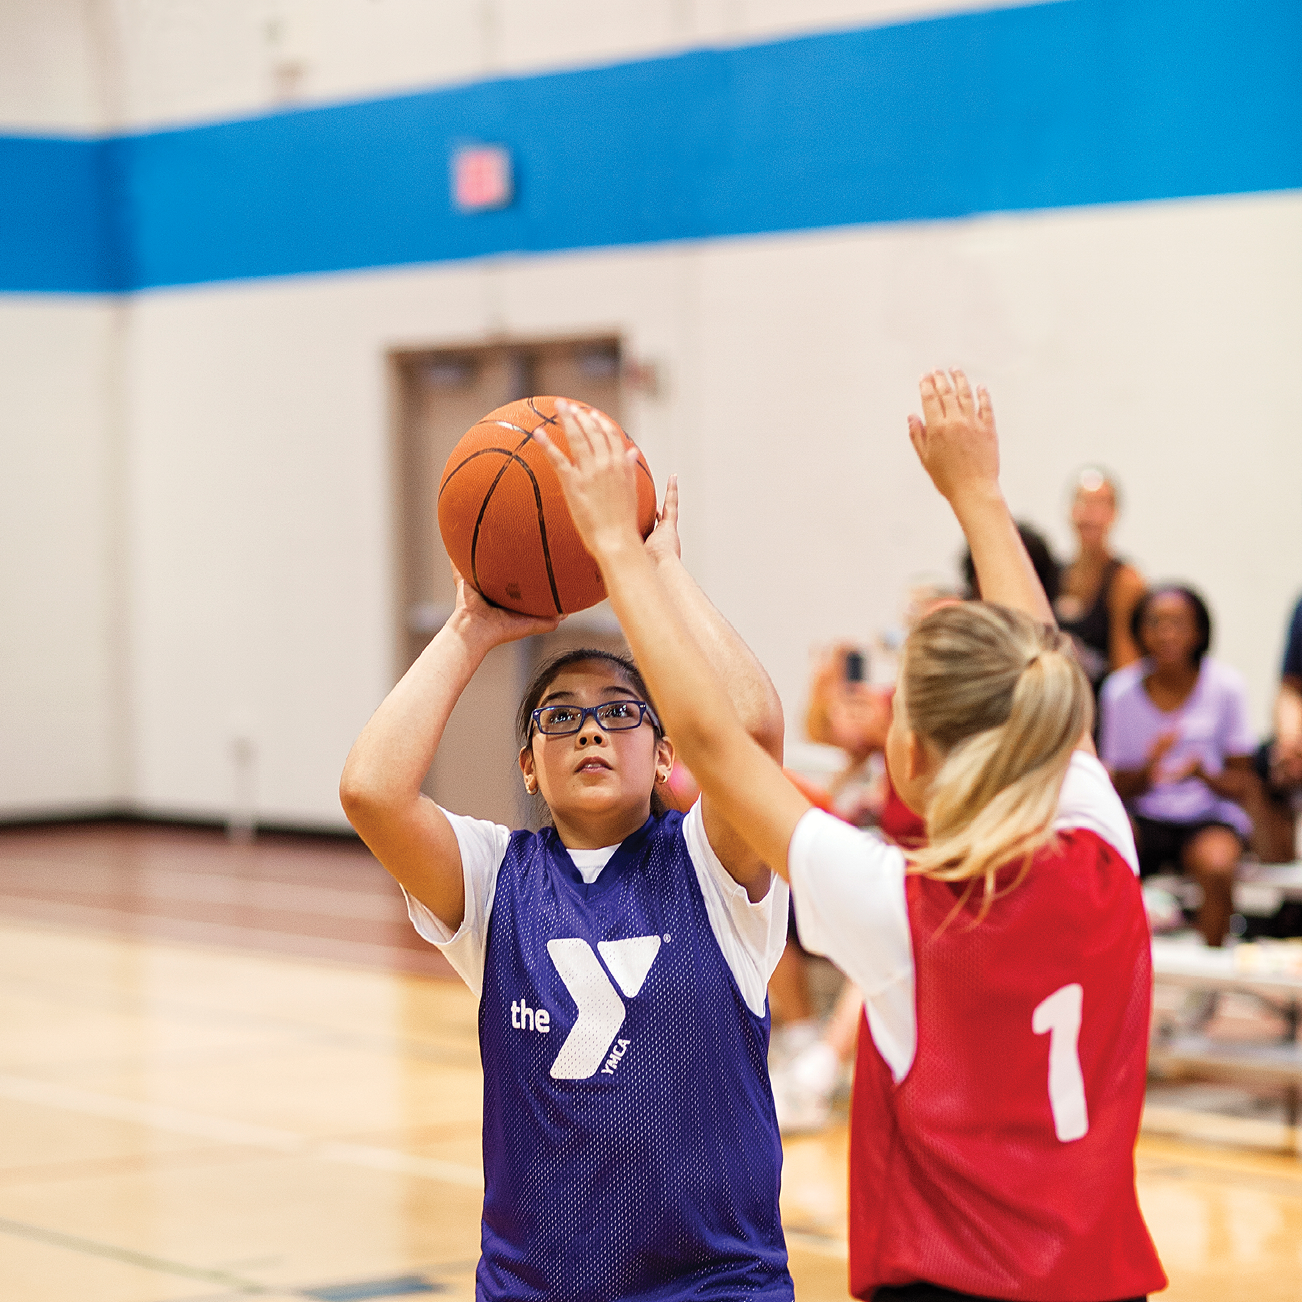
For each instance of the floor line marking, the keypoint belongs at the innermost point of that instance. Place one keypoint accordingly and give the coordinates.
(91, 1248)
(384, 904)
(436, 1047)
(223, 1130)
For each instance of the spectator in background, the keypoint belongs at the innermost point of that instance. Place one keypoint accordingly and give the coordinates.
(1099, 590)
(1279, 761)
(855, 717)
(1176, 739)
(1047, 569)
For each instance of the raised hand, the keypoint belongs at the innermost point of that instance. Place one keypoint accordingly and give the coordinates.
(492, 625)
(662, 543)
(956, 442)
(599, 478)
(955, 438)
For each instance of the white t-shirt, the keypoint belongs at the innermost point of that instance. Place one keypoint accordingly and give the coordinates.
(848, 887)
(751, 936)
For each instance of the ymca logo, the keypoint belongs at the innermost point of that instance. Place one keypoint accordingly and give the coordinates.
(601, 1010)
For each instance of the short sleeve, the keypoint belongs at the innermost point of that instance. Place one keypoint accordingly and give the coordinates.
(1293, 650)
(848, 888)
(1089, 800)
(1240, 736)
(483, 847)
(1113, 735)
(750, 935)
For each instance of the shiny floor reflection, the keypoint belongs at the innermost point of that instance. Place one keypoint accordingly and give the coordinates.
(186, 1123)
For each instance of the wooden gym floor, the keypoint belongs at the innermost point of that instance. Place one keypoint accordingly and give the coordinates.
(233, 1071)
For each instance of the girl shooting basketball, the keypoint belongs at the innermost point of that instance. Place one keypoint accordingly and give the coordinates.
(620, 957)
(1006, 966)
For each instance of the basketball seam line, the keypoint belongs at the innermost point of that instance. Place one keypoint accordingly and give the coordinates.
(506, 452)
(479, 519)
(546, 420)
(551, 420)
(542, 524)
(511, 455)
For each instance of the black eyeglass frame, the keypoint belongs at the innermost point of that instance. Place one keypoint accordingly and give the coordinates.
(643, 710)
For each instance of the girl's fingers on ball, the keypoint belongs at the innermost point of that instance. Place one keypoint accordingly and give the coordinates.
(603, 423)
(558, 458)
(603, 434)
(594, 433)
(572, 423)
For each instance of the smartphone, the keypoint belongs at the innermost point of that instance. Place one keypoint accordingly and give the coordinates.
(856, 666)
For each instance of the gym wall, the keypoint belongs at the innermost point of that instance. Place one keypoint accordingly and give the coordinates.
(193, 377)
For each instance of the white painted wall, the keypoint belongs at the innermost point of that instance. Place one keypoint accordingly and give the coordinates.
(197, 502)
(55, 64)
(1149, 338)
(62, 579)
(62, 733)
(192, 60)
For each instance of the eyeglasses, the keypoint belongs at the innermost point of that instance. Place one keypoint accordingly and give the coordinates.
(613, 716)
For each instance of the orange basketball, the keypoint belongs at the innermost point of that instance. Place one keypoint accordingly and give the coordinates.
(504, 520)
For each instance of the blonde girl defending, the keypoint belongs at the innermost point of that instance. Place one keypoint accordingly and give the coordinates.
(1005, 967)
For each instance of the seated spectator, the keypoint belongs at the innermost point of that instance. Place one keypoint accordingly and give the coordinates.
(1176, 739)
(1099, 590)
(1279, 761)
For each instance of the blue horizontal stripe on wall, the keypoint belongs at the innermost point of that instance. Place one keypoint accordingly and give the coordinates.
(59, 216)
(1075, 103)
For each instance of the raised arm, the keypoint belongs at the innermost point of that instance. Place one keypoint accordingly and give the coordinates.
(735, 772)
(381, 785)
(747, 684)
(957, 444)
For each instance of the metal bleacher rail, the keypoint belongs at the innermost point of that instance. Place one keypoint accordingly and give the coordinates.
(1269, 971)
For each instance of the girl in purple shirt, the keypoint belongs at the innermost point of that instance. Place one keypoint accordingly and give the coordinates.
(1176, 738)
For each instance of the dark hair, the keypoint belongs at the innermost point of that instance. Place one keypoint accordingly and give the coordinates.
(1047, 569)
(1202, 616)
(553, 668)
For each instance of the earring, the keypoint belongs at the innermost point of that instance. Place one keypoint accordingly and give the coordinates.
(662, 777)
(531, 788)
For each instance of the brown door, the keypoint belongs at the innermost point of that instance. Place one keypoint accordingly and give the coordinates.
(440, 395)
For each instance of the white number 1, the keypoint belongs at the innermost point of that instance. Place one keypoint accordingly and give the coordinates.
(1059, 1015)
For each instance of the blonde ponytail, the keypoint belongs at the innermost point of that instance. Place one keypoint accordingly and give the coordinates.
(1004, 701)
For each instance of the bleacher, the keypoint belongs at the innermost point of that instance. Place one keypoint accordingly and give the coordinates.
(1267, 970)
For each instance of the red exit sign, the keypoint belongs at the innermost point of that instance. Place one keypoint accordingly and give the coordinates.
(481, 178)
